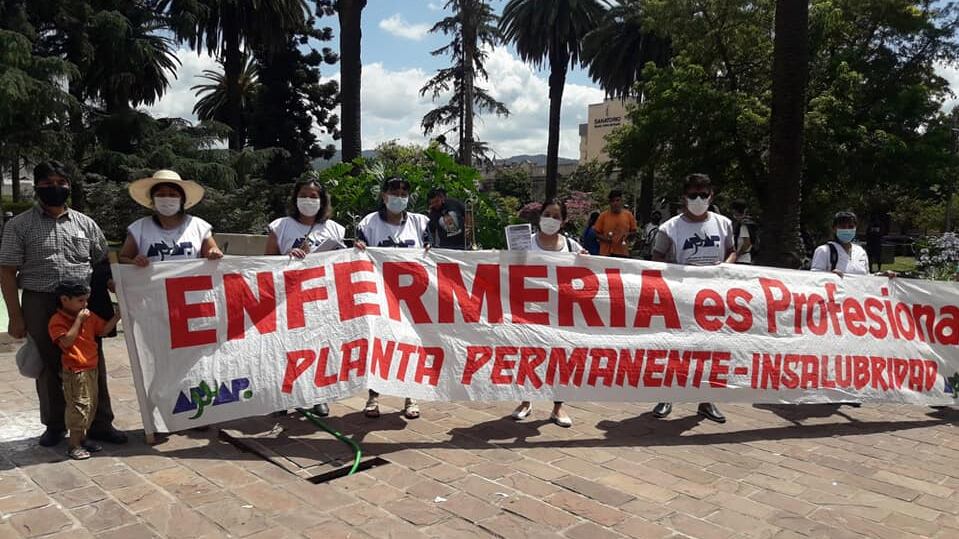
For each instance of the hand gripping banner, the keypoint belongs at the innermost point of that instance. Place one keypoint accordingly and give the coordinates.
(214, 341)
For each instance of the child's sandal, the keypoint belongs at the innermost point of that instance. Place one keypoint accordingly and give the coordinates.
(78, 453)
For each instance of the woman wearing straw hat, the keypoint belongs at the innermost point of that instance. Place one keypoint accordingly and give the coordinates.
(170, 233)
(308, 229)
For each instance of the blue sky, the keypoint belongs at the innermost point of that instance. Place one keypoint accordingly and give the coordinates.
(397, 62)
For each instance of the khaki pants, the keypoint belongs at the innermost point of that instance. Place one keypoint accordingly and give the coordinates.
(38, 308)
(80, 394)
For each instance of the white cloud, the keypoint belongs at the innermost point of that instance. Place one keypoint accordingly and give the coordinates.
(951, 74)
(178, 101)
(393, 108)
(398, 26)
(434, 7)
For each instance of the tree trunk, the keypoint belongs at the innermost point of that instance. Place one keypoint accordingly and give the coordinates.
(782, 243)
(15, 194)
(232, 71)
(351, 75)
(557, 82)
(469, 54)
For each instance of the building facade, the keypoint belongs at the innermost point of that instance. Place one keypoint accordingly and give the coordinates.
(603, 119)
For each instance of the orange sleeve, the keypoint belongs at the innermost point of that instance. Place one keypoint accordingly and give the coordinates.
(58, 327)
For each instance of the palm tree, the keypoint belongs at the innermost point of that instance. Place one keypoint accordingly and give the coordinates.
(616, 53)
(230, 28)
(782, 192)
(551, 32)
(211, 104)
(351, 74)
(131, 61)
(473, 26)
(618, 50)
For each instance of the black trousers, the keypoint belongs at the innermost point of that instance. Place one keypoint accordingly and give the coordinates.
(38, 308)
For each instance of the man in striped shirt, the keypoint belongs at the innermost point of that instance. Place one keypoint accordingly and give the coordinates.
(42, 247)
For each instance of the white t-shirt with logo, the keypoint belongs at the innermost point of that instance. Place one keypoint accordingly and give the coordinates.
(413, 231)
(181, 243)
(566, 245)
(703, 243)
(855, 263)
(292, 234)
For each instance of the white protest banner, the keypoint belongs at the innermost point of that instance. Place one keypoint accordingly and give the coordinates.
(213, 341)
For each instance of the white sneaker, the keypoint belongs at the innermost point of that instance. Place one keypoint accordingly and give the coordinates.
(522, 412)
(565, 422)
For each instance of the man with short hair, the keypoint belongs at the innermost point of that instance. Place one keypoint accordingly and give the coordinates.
(42, 248)
(615, 228)
(696, 237)
(447, 219)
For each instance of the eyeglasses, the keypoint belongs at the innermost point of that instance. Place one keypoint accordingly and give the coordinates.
(704, 196)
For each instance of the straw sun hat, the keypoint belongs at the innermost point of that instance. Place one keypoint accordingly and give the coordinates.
(140, 189)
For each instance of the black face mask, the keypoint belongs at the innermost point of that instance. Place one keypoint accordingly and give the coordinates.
(54, 195)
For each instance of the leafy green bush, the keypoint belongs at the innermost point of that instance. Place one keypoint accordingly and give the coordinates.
(242, 210)
(355, 187)
(16, 207)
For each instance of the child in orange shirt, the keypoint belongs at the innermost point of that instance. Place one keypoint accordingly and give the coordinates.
(75, 329)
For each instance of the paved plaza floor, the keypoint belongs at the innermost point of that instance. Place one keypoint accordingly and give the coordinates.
(467, 470)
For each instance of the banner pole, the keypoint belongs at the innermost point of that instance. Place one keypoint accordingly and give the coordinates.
(149, 427)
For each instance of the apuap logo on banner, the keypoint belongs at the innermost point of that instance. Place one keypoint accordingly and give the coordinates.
(213, 341)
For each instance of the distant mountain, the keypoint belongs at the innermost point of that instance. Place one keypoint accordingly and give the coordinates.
(537, 160)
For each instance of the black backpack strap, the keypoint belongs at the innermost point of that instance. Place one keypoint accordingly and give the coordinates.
(833, 256)
(569, 244)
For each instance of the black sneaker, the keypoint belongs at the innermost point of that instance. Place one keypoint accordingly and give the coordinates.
(51, 437)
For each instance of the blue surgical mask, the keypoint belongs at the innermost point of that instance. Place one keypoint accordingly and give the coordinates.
(845, 235)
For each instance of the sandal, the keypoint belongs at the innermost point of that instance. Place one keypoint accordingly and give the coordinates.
(78, 453)
(410, 409)
(91, 446)
(372, 408)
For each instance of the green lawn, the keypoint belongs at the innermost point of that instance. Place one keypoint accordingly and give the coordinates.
(902, 265)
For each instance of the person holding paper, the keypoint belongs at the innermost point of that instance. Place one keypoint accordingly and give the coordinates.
(393, 226)
(552, 217)
(307, 229)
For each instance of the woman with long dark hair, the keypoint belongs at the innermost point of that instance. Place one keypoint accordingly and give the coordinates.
(307, 229)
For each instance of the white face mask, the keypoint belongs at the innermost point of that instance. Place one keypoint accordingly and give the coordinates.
(396, 204)
(167, 206)
(549, 226)
(697, 206)
(308, 206)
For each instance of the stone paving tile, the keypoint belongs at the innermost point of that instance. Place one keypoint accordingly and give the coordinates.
(103, 515)
(468, 471)
(42, 521)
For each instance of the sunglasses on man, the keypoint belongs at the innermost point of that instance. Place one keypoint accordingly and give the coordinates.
(704, 196)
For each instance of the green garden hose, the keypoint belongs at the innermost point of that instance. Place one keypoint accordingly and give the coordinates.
(357, 451)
